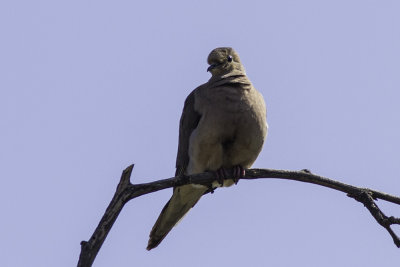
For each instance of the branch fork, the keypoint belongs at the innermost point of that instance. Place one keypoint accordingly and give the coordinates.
(127, 191)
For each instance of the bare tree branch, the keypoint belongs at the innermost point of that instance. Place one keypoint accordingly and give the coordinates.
(127, 191)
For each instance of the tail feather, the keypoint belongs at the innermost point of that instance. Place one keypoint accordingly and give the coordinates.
(182, 200)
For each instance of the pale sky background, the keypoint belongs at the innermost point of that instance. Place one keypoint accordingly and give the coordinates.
(89, 87)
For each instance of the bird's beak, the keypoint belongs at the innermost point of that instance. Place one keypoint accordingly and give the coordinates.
(211, 67)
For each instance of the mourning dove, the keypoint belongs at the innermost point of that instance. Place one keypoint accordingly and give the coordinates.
(223, 126)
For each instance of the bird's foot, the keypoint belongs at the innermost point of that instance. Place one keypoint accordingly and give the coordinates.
(210, 189)
(238, 172)
(221, 175)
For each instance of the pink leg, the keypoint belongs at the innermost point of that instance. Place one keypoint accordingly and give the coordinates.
(221, 175)
(238, 172)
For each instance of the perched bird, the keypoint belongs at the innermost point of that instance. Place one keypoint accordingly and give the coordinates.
(223, 126)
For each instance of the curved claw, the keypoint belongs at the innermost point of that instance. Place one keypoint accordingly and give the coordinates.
(238, 172)
(221, 175)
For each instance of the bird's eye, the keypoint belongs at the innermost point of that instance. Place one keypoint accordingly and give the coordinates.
(229, 58)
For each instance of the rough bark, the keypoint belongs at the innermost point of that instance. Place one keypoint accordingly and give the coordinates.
(127, 191)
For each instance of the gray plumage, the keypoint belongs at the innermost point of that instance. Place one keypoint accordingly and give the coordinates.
(223, 125)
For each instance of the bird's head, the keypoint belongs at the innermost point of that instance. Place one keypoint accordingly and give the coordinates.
(223, 60)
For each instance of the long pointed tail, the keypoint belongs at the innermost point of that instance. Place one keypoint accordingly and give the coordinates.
(182, 200)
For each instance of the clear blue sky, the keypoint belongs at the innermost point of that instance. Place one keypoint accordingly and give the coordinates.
(89, 87)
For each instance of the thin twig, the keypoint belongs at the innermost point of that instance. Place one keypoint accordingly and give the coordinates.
(127, 191)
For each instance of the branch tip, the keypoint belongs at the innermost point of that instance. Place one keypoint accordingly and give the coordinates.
(126, 174)
(127, 191)
(125, 180)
